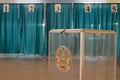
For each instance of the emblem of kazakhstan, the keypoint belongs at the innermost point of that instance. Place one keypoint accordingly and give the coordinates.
(63, 58)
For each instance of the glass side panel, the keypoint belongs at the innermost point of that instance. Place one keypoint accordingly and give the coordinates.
(99, 56)
(64, 56)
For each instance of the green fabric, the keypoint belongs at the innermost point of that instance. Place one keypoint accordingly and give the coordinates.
(117, 28)
(9, 34)
(62, 20)
(33, 32)
(21, 31)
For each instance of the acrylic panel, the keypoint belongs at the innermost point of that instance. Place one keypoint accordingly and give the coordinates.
(64, 51)
(99, 56)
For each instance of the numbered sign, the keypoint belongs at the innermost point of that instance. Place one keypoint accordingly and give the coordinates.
(87, 8)
(31, 8)
(6, 8)
(114, 8)
(58, 8)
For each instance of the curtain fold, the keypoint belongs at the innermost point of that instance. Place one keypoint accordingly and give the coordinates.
(33, 30)
(62, 20)
(22, 31)
(28, 30)
(86, 20)
(117, 28)
(9, 30)
(41, 33)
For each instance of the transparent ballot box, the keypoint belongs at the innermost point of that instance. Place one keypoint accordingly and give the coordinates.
(76, 54)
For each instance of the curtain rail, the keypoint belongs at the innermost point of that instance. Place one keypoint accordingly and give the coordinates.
(59, 1)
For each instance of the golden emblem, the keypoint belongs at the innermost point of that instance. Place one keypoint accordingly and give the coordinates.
(63, 58)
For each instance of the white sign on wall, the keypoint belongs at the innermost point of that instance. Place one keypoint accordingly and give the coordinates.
(114, 8)
(58, 8)
(31, 8)
(6, 8)
(87, 8)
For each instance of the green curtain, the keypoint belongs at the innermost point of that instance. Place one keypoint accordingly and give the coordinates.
(84, 20)
(9, 34)
(22, 31)
(28, 30)
(32, 30)
(117, 28)
(62, 20)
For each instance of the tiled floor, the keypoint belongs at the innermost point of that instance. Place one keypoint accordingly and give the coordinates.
(23, 70)
(14, 69)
